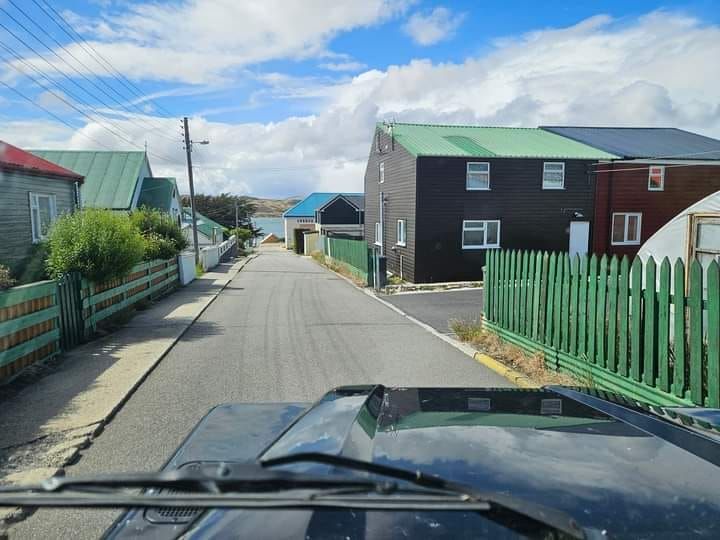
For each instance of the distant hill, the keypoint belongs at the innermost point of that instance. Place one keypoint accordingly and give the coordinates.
(272, 207)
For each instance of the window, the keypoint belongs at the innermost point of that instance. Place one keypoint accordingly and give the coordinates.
(42, 214)
(626, 229)
(401, 232)
(481, 234)
(478, 176)
(656, 179)
(378, 234)
(381, 172)
(553, 176)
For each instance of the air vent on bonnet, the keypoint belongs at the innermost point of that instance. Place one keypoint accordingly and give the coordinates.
(551, 407)
(182, 514)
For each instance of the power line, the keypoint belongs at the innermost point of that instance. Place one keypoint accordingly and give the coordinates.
(56, 117)
(66, 63)
(673, 166)
(106, 65)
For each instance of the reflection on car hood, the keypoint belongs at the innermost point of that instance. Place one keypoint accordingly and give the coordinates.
(611, 467)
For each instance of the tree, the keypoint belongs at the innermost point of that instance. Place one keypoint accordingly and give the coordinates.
(221, 208)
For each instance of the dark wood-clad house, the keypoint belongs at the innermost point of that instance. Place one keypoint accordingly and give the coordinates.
(438, 197)
(661, 172)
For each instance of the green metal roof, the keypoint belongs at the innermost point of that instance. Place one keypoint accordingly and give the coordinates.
(478, 141)
(157, 193)
(204, 224)
(110, 177)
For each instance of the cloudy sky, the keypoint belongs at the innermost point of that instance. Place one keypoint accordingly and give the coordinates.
(288, 91)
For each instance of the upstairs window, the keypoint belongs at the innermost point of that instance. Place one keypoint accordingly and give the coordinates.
(481, 234)
(478, 176)
(378, 234)
(42, 214)
(381, 172)
(401, 232)
(553, 175)
(626, 229)
(656, 179)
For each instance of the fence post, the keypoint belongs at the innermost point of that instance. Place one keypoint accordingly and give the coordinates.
(623, 303)
(600, 334)
(679, 365)
(522, 285)
(530, 277)
(574, 287)
(713, 326)
(540, 261)
(582, 307)
(592, 308)
(612, 316)
(663, 332)
(635, 319)
(650, 323)
(696, 329)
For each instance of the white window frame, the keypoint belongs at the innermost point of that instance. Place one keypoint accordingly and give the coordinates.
(626, 242)
(381, 172)
(467, 176)
(662, 178)
(485, 222)
(401, 227)
(35, 224)
(378, 234)
(545, 163)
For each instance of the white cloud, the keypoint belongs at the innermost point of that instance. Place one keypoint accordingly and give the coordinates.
(200, 42)
(343, 66)
(655, 70)
(428, 28)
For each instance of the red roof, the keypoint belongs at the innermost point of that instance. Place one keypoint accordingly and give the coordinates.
(12, 157)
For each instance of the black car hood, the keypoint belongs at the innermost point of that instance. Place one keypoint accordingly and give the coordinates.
(609, 465)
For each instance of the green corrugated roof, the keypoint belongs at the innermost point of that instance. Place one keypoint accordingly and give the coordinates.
(157, 193)
(204, 224)
(477, 141)
(110, 177)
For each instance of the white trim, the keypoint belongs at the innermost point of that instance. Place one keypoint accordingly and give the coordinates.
(404, 230)
(381, 172)
(35, 226)
(467, 176)
(662, 178)
(563, 174)
(625, 232)
(378, 234)
(485, 245)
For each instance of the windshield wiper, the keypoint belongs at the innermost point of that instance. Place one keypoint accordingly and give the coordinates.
(255, 485)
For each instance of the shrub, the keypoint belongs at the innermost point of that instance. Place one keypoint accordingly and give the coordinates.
(163, 236)
(6, 281)
(100, 244)
(242, 234)
(34, 266)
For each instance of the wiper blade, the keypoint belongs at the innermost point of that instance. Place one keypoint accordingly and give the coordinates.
(504, 506)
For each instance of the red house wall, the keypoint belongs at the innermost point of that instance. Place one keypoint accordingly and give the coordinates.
(622, 190)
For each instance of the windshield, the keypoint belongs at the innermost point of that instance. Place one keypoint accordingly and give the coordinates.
(329, 268)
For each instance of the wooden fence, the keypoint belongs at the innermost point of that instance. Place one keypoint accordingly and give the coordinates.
(149, 279)
(29, 329)
(353, 254)
(650, 333)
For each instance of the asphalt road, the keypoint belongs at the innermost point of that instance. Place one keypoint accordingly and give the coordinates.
(284, 329)
(438, 308)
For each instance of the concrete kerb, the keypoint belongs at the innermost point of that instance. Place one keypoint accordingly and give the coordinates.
(515, 377)
(71, 451)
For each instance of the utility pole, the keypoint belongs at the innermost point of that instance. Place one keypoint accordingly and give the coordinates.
(237, 222)
(188, 152)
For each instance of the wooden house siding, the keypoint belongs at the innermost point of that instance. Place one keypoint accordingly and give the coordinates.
(627, 191)
(400, 194)
(339, 211)
(530, 217)
(15, 221)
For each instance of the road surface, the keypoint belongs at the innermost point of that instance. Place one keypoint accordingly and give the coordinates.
(284, 329)
(438, 308)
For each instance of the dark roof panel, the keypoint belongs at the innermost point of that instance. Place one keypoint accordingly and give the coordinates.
(643, 142)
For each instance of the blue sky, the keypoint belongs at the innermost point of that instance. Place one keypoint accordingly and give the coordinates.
(288, 91)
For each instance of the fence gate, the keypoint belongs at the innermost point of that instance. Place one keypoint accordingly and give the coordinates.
(71, 320)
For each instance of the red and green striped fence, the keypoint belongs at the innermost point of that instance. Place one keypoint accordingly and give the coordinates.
(649, 332)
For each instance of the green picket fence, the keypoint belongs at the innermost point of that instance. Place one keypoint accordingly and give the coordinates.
(354, 254)
(637, 329)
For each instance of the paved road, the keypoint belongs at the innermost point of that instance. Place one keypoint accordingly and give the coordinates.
(437, 308)
(284, 330)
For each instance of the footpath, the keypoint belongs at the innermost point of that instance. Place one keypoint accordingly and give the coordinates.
(52, 412)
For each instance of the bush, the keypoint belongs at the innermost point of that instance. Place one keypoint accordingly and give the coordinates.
(100, 244)
(163, 236)
(34, 266)
(242, 234)
(6, 281)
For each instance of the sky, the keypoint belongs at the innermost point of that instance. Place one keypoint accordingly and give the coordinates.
(288, 91)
